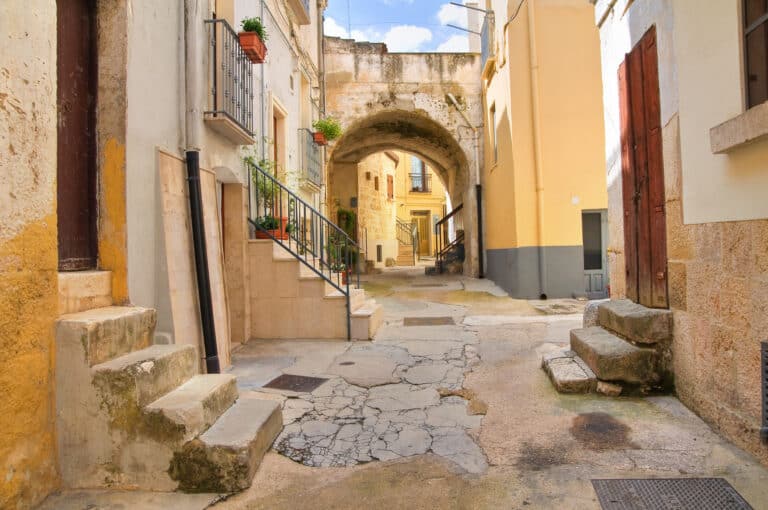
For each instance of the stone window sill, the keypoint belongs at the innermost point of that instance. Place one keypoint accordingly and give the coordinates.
(740, 130)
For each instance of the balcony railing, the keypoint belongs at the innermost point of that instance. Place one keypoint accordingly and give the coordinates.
(421, 183)
(487, 39)
(230, 76)
(311, 158)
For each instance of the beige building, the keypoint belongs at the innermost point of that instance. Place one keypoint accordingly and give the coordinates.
(543, 178)
(690, 144)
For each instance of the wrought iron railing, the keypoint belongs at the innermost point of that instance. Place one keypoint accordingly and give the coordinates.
(311, 158)
(487, 38)
(421, 183)
(450, 238)
(407, 235)
(279, 214)
(230, 75)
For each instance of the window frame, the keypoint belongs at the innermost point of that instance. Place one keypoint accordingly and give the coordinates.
(762, 20)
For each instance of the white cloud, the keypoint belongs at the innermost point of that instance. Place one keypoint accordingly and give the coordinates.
(452, 14)
(333, 29)
(454, 44)
(405, 38)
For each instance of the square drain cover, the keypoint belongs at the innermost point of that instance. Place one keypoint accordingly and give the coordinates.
(669, 493)
(428, 321)
(297, 383)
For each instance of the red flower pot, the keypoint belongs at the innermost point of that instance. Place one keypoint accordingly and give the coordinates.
(319, 138)
(278, 233)
(253, 47)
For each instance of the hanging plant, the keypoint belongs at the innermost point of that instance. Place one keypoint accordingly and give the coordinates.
(252, 40)
(328, 127)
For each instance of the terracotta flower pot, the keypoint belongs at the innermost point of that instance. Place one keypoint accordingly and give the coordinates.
(319, 138)
(253, 46)
(278, 233)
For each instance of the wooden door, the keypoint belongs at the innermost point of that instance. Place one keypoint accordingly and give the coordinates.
(76, 154)
(645, 243)
(425, 233)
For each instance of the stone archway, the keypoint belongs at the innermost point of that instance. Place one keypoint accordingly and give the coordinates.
(401, 101)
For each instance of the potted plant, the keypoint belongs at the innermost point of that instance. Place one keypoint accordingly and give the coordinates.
(328, 129)
(269, 227)
(252, 40)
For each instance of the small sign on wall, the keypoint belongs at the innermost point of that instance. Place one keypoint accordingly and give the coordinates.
(353, 202)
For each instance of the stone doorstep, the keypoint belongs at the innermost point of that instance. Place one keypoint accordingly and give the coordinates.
(109, 332)
(635, 322)
(195, 405)
(568, 373)
(84, 290)
(366, 320)
(614, 359)
(225, 458)
(146, 375)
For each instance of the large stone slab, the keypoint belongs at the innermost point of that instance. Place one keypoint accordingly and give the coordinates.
(614, 359)
(568, 373)
(636, 322)
(401, 397)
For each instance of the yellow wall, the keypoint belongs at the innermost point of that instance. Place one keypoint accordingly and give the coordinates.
(409, 201)
(28, 251)
(563, 100)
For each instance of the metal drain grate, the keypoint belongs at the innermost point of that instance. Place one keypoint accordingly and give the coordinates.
(669, 493)
(428, 321)
(297, 383)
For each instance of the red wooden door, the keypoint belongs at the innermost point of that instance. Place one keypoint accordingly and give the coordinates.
(76, 154)
(645, 243)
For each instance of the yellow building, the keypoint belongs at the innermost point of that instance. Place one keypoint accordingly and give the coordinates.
(544, 177)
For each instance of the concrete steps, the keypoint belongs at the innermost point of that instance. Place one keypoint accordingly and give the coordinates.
(405, 255)
(627, 350)
(284, 289)
(225, 457)
(126, 410)
(84, 290)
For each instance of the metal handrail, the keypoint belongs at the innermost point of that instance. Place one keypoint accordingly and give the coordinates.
(443, 246)
(421, 183)
(230, 75)
(404, 233)
(305, 233)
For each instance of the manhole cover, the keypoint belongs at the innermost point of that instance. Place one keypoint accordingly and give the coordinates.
(428, 285)
(669, 493)
(428, 321)
(297, 383)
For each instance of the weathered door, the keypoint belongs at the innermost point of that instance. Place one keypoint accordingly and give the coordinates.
(594, 228)
(76, 154)
(645, 244)
(422, 221)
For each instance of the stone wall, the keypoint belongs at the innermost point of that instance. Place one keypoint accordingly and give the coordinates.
(28, 251)
(375, 211)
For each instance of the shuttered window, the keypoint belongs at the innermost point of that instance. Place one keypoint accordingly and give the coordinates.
(756, 51)
(390, 187)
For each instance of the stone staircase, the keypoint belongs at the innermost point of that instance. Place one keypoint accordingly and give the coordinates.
(405, 255)
(290, 301)
(624, 349)
(134, 415)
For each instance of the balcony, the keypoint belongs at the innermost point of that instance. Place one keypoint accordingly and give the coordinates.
(421, 183)
(230, 76)
(488, 43)
(301, 9)
(311, 161)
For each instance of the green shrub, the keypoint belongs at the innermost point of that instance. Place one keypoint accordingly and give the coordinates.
(328, 126)
(255, 25)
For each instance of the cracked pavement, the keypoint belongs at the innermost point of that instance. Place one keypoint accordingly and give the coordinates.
(462, 416)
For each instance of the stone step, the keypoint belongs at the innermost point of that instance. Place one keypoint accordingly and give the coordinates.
(613, 359)
(141, 377)
(366, 320)
(635, 322)
(225, 458)
(109, 332)
(568, 372)
(84, 290)
(194, 406)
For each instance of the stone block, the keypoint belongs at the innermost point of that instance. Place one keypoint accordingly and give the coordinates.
(678, 285)
(614, 359)
(568, 373)
(608, 389)
(84, 290)
(590, 312)
(636, 322)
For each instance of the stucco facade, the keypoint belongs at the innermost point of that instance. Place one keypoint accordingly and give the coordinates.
(717, 232)
(28, 259)
(543, 145)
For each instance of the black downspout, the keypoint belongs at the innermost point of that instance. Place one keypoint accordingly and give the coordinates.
(480, 257)
(201, 263)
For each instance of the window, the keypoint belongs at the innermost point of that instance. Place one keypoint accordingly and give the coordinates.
(419, 180)
(756, 51)
(390, 187)
(376, 183)
(494, 141)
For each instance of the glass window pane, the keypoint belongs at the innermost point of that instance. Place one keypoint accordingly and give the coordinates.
(753, 9)
(593, 241)
(757, 65)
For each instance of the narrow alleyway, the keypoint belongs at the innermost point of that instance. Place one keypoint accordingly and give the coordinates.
(497, 437)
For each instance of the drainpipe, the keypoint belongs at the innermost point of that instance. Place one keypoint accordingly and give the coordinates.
(534, 62)
(263, 100)
(478, 188)
(194, 78)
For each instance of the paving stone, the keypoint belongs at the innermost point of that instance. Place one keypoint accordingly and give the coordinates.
(411, 441)
(451, 415)
(461, 449)
(399, 397)
(567, 373)
(319, 428)
(425, 374)
(427, 348)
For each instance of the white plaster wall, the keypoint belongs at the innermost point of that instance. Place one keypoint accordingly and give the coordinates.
(716, 187)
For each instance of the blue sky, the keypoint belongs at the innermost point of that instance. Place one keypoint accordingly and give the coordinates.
(405, 25)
